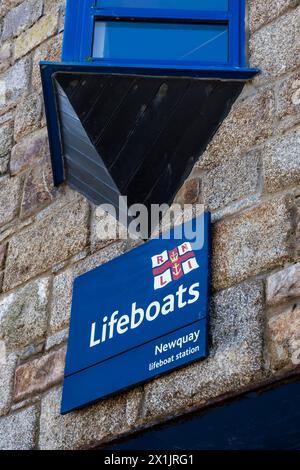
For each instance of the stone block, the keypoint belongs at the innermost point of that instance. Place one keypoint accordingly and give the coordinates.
(2, 255)
(83, 428)
(28, 116)
(23, 314)
(61, 301)
(6, 138)
(7, 5)
(38, 375)
(49, 50)
(21, 17)
(283, 339)
(288, 96)
(32, 350)
(281, 162)
(5, 56)
(57, 339)
(38, 189)
(100, 257)
(284, 285)
(231, 181)
(189, 193)
(16, 81)
(10, 189)
(262, 13)
(17, 431)
(252, 242)
(28, 151)
(275, 48)
(4, 163)
(42, 30)
(7, 369)
(105, 229)
(249, 124)
(46, 243)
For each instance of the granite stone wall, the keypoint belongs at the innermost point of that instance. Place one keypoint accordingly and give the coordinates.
(249, 177)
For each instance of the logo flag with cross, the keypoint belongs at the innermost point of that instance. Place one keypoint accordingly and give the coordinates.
(171, 265)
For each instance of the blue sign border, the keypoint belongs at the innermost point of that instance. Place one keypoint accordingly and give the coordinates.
(148, 352)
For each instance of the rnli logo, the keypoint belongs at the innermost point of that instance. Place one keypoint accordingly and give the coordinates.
(171, 265)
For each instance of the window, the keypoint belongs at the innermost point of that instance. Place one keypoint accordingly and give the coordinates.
(156, 33)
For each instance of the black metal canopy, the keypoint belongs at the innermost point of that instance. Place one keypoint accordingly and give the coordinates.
(130, 134)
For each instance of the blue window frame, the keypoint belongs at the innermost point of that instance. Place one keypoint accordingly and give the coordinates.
(156, 33)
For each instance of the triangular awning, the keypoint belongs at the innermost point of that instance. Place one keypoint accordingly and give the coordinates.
(132, 133)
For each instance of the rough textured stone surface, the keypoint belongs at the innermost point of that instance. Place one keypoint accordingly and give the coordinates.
(38, 188)
(283, 285)
(190, 192)
(23, 314)
(4, 162)
(297, 237)
(28, 115)
(17, 430)
(288, 98)
(40, 374)
(61, 301)
(252, 242)
(7, 369)
(16, 81)
(283, 337)
(81, 428)
(6, 138)
(51, 51)
(275, 48)
(32, 350)
(28, 151)
(9, 198)
(41, 31)
(57, 339)
(235, 358)
(281, 162)
(21, 17)
(261, 13)
(5, 56)
(105, 229)
(47, 242)
(249, 123)
(7, 5)
(229, 182)
(2, 255)
(101, 257)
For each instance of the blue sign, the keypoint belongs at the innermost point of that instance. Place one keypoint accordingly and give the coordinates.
(140, 315)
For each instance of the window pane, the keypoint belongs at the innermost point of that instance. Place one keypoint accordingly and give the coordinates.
(161, 41)
(166, 4)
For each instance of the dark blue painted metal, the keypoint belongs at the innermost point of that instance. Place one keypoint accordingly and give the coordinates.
(155, 14)
(78, 42)
(53, 125)
(242, 39)
(141, 68)
(102, 360)
(170, 4)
